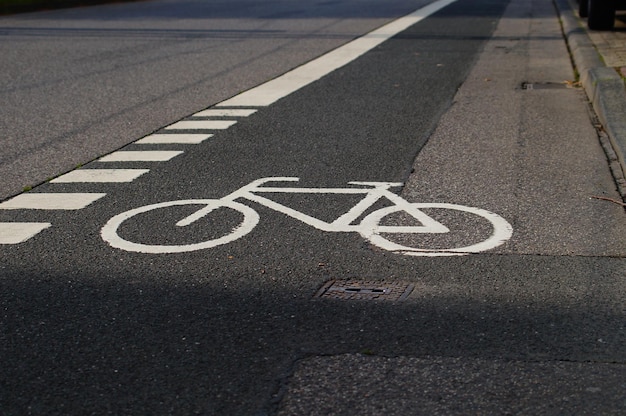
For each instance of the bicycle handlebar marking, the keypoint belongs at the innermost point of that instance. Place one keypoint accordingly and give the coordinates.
(369, 227)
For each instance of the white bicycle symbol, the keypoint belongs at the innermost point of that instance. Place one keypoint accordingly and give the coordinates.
(369, 227)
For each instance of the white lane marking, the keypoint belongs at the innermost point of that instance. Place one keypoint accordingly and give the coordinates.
(141, 156)
(272, 91)
(372, 227)
(100, 175)
(226, 112)
(18, 232)
(502, 231)
(249, 221)
(261, 96)
(201, 125)
(53, 201)
(174, 139)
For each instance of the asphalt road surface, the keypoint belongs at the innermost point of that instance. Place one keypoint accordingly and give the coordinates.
(473, 216)
(79, 83)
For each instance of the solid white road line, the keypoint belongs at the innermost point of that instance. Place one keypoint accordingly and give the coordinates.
(226, 112)
(141, 156)
(100, 175)
(272, 91)
(18, 232)
(201, 125)
(174, 139)
(53, 201)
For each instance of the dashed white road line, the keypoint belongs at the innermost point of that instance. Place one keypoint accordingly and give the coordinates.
(100, 175)
(226, 112)
(174, 139)
(18, 232)
(52, 201)
(201, 125)
(141, 156)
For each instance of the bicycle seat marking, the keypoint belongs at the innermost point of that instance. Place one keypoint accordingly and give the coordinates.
(377, 227)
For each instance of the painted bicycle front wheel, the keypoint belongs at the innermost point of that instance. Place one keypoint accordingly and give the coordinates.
(380, 230)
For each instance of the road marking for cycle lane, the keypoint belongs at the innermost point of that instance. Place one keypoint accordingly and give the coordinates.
(51, 201)
(233, 112)
(18, 232)
(372, 226)
(288, 83)
(260, 96)
(100, 176)
(174, 139)
(201, 125)
(141, 156)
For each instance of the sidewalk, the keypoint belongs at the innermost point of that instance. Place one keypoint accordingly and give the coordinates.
(600, 58)
(532, 156)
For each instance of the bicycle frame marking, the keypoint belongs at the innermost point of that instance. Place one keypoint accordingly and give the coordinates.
(368, 226)
(377, 191)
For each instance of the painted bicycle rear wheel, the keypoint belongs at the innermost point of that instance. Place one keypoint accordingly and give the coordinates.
(142, 240)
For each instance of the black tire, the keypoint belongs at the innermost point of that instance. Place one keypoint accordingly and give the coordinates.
(583, 8)
(601, 14)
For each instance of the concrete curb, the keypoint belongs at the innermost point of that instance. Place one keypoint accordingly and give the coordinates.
(604, 87)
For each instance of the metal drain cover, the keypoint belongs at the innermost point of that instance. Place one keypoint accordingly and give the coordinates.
(354, 289)
(546, 85)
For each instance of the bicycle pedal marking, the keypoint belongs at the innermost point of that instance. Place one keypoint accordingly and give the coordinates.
(370, 227)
